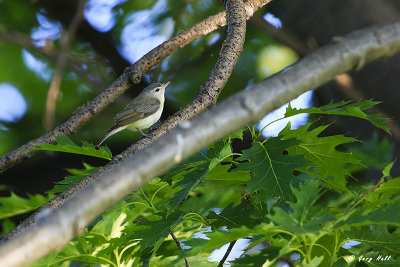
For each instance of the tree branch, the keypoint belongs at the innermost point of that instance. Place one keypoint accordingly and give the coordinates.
(219, 75)
(178, 244)
(55, 227)
(344, 81)
(119, 86)
(48, 51)
(228, 251)
(54, 89)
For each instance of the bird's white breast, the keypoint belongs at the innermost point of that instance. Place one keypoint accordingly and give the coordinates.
(148, 121)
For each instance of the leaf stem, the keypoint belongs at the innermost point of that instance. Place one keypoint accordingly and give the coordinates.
(178, 244)
(155, 193)
(260, 132)
(193, 215)
(148, 200)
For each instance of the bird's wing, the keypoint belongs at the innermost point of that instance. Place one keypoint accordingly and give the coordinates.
(135, 111)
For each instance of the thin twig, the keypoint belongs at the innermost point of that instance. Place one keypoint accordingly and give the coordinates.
(27, 42)
(280, 35)
(54, 89)
(119, 86)
(218, 77)
(49, 52)
(178, 244)
(228, 251)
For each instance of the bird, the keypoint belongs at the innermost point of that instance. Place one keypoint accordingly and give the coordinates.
(141, 113)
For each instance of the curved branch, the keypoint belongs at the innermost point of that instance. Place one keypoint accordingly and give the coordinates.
(209, 93)
(119, 86)
(55, 227)
(231, 49)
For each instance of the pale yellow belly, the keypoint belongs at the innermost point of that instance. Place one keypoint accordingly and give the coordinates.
(146, 122)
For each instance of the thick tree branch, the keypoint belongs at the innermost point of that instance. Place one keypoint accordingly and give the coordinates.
(219, 75)
(134, 73)
(344, 81)
(55, 227)
(211, 89)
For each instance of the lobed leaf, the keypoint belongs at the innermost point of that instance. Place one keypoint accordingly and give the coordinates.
(322, 151)
(272, 170)
(344, 108)
(66, 145)
(15, 205)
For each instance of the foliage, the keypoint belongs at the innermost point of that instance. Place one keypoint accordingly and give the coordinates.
(64, 144)
(346, 109)
(294, 197)
(15, 205)
(287, 195)
(77, 175)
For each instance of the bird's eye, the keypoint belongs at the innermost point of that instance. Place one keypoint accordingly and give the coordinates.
(158, 89)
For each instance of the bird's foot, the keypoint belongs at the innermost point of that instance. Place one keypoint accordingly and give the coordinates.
(144, 134)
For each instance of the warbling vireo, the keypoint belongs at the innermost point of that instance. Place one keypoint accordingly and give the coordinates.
(142, 112)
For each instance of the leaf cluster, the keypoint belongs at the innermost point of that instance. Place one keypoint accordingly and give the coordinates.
(287, 196)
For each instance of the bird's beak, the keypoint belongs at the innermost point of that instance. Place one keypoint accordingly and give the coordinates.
(166, 84)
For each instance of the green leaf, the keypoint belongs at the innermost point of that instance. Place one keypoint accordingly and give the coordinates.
(234, 217)
(375, 237)
(323, 153)
(188, 182)
(387, 214)
(345, 109)
(372, 153)
(201, 260)
(236, 134)
(377, 242)
(272, 170)
(220, 238)
(185, 166)
(69, 181)
(387, 169)
(385, 193)
(153, 233)
(224, 154)
(6, 226)
(303, 218)
(73, 252)
(257, 259)
(222, 173)
(111, 225)
(64, 144)
(15, 205)
(316, 261)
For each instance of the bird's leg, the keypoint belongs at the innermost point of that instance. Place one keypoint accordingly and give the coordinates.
(145, 135)
(155, 125)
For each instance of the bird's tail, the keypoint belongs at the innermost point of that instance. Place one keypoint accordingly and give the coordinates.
(109, 134)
